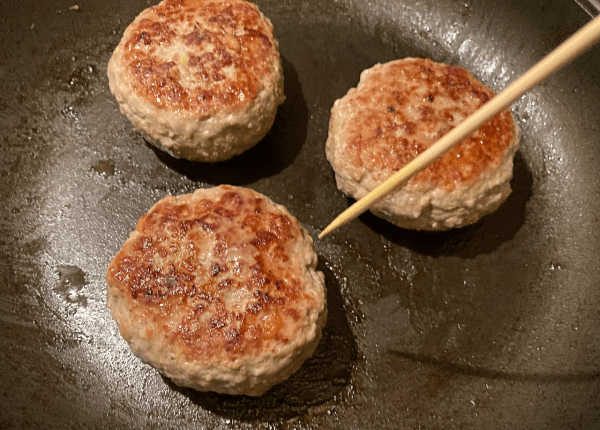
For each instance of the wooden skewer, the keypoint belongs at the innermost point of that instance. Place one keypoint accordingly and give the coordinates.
(566, 52)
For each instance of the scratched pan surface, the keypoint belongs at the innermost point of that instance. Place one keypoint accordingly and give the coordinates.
(488, 327)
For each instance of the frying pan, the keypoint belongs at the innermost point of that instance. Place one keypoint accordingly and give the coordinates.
(493, 326)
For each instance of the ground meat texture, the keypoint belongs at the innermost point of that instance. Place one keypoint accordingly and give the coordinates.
(397, 111)
(201, 79)
(219, 290)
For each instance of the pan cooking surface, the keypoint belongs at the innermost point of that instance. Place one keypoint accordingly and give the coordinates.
(496, 325)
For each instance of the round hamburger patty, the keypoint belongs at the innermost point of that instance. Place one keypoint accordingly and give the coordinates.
(398, 110)
(219, 291)
(200, 79)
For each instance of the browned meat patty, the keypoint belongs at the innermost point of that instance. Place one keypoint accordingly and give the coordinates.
(398, 110)
(219, 291)
(201, 79)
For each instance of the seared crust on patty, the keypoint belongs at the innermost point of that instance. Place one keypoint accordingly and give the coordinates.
(400, 109)
(219, 290)
(202, 79)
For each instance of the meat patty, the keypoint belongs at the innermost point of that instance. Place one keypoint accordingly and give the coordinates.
(398, 110)
(201, 79)
(219, 291)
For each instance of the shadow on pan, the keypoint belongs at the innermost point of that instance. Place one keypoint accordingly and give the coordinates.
(273, 153)
(483, 237)
(322, 377)
(460, 369)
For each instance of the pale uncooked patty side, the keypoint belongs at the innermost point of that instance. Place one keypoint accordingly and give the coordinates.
(248, 374)
(251, 377)
(215, 138)
(414, 206)
(224, 129)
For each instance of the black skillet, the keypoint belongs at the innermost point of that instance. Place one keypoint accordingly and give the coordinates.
(494, 326)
